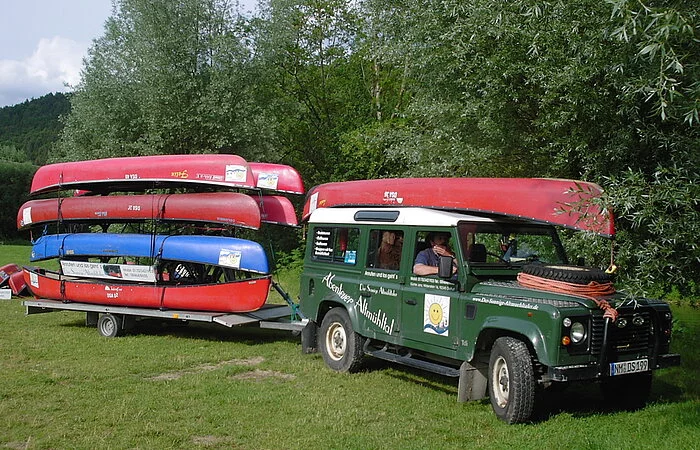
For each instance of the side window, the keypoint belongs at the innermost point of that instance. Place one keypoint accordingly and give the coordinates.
(336, 244)
(425, 240)
(385, 248)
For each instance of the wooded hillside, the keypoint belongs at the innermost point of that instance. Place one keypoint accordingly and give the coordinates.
(29, 130)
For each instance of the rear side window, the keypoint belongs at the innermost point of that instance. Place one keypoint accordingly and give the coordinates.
(336, 245)
(385, 248)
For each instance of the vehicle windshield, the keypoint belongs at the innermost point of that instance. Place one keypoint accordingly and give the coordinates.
(508, 244)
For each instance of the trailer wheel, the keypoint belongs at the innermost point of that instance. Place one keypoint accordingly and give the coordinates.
(109, 325)
(511, 380)
(340, 346)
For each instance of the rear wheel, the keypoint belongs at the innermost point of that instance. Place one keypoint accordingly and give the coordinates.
(511, 380)
(340, 346)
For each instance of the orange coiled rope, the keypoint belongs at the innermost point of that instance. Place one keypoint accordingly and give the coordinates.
(591, 291)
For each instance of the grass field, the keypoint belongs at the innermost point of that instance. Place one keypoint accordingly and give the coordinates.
(62, 385)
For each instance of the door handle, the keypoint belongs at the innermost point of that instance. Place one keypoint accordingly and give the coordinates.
(365, 294)
(411, 302)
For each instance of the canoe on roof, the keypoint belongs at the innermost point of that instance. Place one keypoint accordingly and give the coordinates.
(566, 203)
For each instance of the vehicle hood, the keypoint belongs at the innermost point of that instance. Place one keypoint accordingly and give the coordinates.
(513, 291)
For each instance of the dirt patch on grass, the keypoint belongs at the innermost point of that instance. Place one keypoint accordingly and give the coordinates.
(209, 441)
(248, 362)
(19, 445)
(258, 375)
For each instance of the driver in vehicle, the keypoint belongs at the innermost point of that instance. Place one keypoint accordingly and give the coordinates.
(428, 260)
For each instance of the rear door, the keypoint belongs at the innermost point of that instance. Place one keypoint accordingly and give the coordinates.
(380, 285)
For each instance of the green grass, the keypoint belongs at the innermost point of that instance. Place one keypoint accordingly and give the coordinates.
(64, 386)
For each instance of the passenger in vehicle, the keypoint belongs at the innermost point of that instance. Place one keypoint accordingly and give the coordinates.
(389, 255)
(428, 260)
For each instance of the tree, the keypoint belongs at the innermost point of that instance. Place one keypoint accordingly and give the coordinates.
(166, 77)
(17, 178)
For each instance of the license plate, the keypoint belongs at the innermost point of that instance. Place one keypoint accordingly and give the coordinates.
(622, 368)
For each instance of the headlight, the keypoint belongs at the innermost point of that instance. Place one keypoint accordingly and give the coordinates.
(578, 332)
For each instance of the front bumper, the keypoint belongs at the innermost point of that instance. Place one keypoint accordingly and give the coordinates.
(594, 371)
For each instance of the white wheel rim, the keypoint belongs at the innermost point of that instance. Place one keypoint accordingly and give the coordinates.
(107, 327)
(500, 382)
(336, 341)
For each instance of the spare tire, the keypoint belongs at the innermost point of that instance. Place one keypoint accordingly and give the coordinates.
(568, 274)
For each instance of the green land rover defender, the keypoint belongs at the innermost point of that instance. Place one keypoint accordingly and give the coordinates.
(477, 315)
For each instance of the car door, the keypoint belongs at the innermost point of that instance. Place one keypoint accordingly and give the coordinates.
(380, 284)
(429, 305)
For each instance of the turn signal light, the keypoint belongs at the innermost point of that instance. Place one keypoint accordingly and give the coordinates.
(566, 340)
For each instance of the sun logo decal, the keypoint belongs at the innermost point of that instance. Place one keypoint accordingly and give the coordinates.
(436, 314)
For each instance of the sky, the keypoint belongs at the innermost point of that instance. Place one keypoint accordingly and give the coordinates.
(43, 43)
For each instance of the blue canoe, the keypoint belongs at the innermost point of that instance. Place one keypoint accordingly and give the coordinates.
(216, 250)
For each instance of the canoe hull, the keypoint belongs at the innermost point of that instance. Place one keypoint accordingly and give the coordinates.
(227, 208)
(565, 203)
(227, 252)
(237, 296)
(141, 172)
(276, 177)
(17, 283)
(277, 210)
(6, 273)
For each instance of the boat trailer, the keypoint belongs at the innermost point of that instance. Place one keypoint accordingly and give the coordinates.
(112, 321)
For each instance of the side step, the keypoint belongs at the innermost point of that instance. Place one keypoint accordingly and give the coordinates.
(472, 377)
(408, 360)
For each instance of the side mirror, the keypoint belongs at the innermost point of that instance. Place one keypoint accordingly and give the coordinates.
(445, 267)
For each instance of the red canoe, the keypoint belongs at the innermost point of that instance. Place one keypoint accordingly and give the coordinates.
(235, 296)
(6, 272)
(277, 210)
(229, 208)
(276, 177)
(141, 172)
(17, 283)
(566, 203)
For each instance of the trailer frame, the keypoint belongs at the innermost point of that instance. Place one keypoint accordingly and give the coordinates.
(112, 321)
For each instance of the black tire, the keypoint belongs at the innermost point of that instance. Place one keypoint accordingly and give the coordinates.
(511, 380)
(629, 392)
(569, 274)
(109, 325)
(340, 346)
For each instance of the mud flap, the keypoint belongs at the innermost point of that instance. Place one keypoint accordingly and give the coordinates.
(472, 382)
(309, 338)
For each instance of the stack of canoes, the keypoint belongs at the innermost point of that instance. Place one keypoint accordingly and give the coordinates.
(208, 271)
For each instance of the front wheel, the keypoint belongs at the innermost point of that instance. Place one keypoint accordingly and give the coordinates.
(511, 380)
(340, 346)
